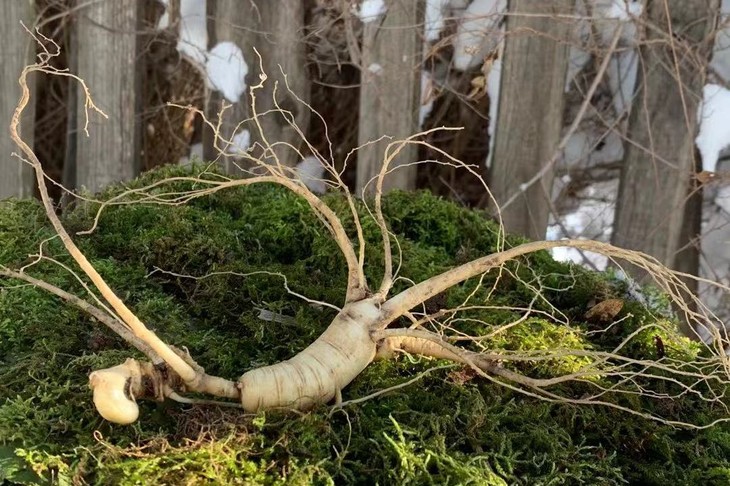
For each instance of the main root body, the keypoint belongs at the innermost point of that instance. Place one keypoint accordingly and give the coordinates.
(318, 373)
(314, 376)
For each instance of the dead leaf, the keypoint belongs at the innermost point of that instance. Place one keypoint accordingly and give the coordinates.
(604, 311)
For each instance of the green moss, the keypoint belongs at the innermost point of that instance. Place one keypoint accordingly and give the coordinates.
(446, 428)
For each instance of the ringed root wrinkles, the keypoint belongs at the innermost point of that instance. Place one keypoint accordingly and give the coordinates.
(318, 373)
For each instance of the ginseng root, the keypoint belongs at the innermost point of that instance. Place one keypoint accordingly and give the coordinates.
(314, 376)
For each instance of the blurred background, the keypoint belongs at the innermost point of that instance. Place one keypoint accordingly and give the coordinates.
(598, 119)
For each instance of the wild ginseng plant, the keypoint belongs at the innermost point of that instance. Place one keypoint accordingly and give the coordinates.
(371, 323)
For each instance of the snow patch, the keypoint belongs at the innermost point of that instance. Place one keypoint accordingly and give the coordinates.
(634, 290)
(722, 199)
(714, 121)
(224, 65)
(434, 23)
(610, 14)
(578, 55)
(478, 33)
(721, 50)
(370, 10)
(227, 70)
(427, 96)
(583, 149)
(459, 5)
(193, 34)
(164, 21)
(493, 80)
(715, 261)
(375, 68)
(577, 59)
(196, 151)
(591, 219)
(240, 143)
(621, 72)
(311, 173)
(195, 154)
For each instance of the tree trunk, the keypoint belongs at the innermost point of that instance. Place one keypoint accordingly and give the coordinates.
(390, 93)
(651, 213)
(530, 114)
(18, 49)
(276, 30)
(106, 55)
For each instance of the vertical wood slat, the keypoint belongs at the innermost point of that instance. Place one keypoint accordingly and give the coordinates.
(390, 93)
(17, 50)
(530, 114)
(660, 161)
(106, 59)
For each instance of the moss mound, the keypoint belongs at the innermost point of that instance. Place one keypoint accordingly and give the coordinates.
(445, 428)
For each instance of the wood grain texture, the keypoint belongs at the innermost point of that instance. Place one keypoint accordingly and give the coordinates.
(390, 92)
(530, 115)
(17, 49)
(656, 179)
(106, 58)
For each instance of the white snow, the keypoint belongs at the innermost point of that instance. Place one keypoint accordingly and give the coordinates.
(370, 10)
(721, 55)
(722, 200)
(622, 70)
(714, 121)
(621, 73)
(196, 153)
(427, 96)
(634, 290)
(240, 143)
(311, 172)
(577, 59)
(193, 35)
(164, 21)
(478, 33)
(715, 261)
(721, 50)
(493, 80)
(375, 68)
(609, 14)
(581, 149)
(617, 9)
(578, 55)
(459, 5)
(226, 70)
(224, 65)
(592, 219)
(434, 23)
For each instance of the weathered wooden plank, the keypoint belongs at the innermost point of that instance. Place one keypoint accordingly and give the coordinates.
(390, 93)
(529, 119)
(106, 57)
(17, 50)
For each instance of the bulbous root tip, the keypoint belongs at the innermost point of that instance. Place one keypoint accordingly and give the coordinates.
(115, 391)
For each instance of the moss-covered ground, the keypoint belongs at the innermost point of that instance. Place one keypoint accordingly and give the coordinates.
(446, 428)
